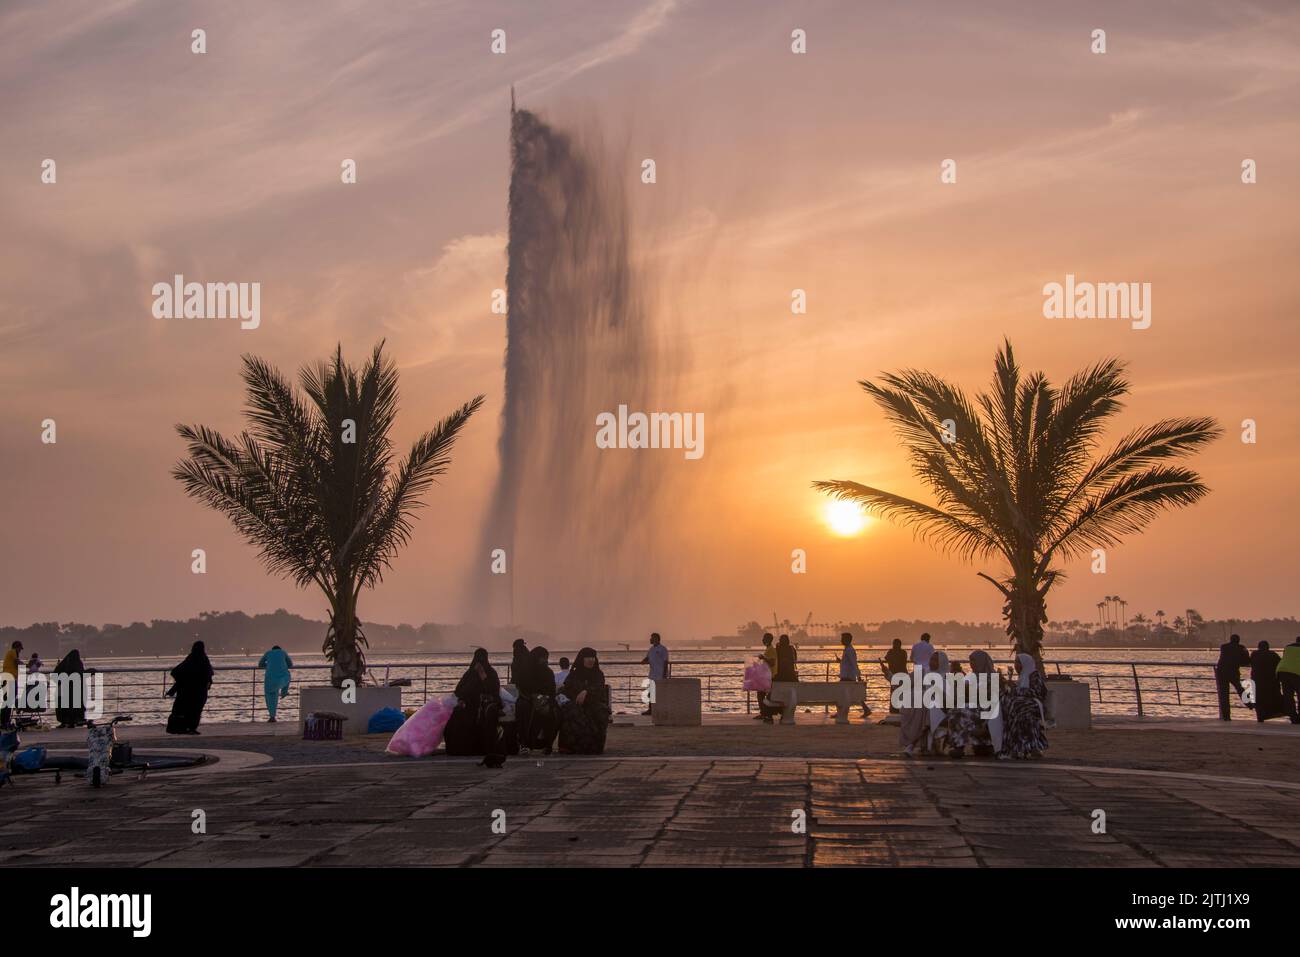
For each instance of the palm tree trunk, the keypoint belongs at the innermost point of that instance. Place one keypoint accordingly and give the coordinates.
(342, 643)
(1026, 611)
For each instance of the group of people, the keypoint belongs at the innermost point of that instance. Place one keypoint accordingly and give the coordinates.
(1274, 678)
(573, 705)
(69, 714)
(782, 661)
(1018, 730)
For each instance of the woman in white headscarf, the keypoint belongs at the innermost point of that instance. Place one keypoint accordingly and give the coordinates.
(939, 665)
(913, 725)
(987, 739)
(1023, 734)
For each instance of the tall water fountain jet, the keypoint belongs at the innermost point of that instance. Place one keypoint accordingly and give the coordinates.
(573, 519)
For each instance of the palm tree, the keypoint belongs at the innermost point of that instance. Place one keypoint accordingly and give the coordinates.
(312, 485)
(1022, 480)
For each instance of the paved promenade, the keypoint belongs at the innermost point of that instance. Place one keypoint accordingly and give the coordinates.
(273, 800)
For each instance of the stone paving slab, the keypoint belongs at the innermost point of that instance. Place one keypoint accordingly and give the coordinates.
(654, 813)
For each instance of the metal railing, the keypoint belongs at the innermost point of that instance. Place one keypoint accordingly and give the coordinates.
(1117, 687)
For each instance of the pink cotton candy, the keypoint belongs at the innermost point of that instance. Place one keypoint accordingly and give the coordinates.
(422, 732)
(758, 676)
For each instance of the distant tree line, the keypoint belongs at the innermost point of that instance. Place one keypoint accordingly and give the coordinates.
(233, 633)
(1193, 631)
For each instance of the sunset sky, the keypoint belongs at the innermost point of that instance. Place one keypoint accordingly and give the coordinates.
(775, 171)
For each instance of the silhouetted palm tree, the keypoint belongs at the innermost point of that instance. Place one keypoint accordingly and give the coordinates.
(1015, 473)
(313, 485)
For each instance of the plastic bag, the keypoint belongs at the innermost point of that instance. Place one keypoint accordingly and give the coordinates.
(758, 676)
(422, 732)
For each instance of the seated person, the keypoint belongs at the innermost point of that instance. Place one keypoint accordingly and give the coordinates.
(584, 717)
(473, 727)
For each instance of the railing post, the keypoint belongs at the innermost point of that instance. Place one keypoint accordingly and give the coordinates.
(1178, 691)
(1137, 688)
(252, 711)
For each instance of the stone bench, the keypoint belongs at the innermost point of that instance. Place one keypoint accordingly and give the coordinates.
(842, 694)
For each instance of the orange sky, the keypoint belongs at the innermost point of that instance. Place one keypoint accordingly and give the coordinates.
(775, 172)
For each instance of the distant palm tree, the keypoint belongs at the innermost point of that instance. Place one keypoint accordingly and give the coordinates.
(313, 486)
(1015, 473)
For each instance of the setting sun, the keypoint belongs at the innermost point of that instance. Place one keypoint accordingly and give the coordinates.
(845, 518)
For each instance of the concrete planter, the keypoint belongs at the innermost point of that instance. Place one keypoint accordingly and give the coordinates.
(1069, 704)
(676, 703)
(368, 701)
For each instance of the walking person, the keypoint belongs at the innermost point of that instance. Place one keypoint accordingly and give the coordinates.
(275, 685)
(1233, 656)
(849, 670)
(193, 678)
(657, 659)
(1288, 676)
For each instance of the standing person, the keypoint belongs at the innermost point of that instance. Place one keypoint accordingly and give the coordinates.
(1233, 656)
(563, 672)
(474, 725)
(584, 719)
(34, 664)
(657, 659)
(765, 709)
(193, 678)
(849, 670)
(9, 682)
(520, 663)
(276, 683)
(1288, 676)
(894, 663)
(70, 706)
(922, 652)
(787, 660)
(1268, 692)
(1023, 733)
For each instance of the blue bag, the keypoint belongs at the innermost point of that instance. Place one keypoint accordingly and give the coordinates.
(385, 721)
(30, 759)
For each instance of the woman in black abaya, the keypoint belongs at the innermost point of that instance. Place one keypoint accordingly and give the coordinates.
(73, 690)
(192, 677)
(473, 726)
(584, 719)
